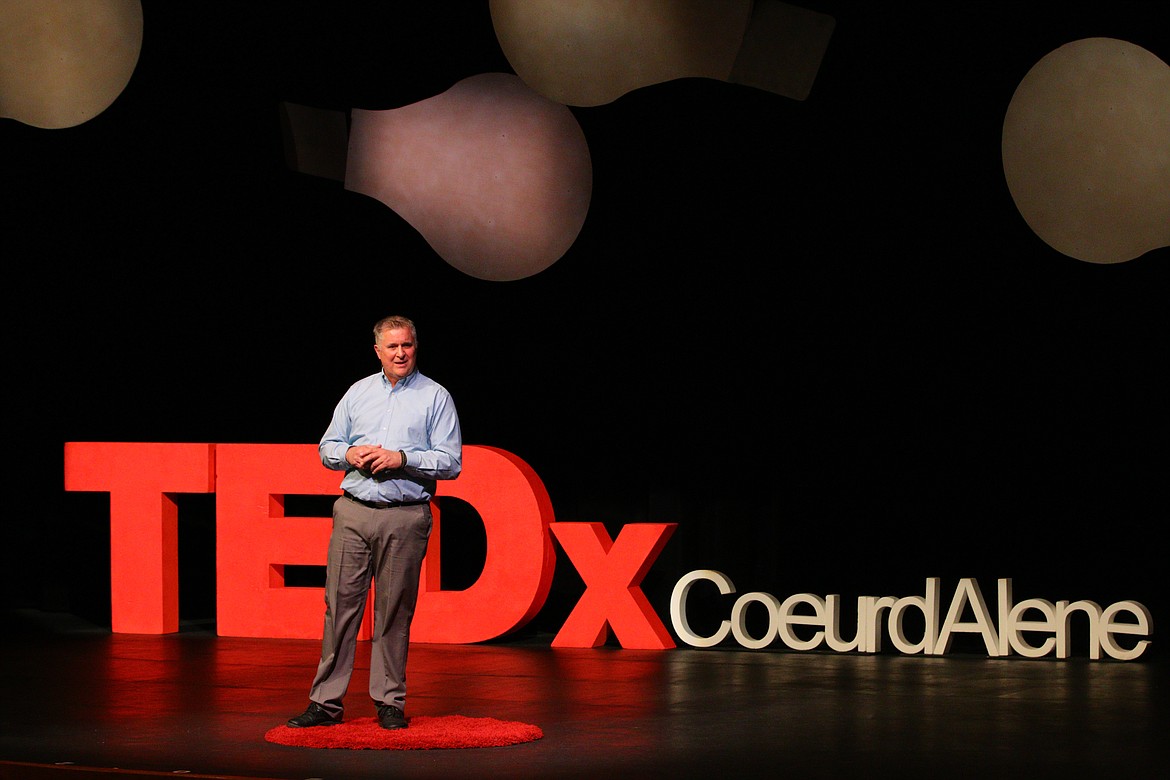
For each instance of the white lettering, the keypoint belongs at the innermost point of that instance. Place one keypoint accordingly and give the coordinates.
(1109, 627)
(873, 624)
(833, 625)
(678, 607)
(739, 619)
(790, 617)
(1064, 612)
(967, 593)
(928, 606)
(1018, 623)
(1015, 626)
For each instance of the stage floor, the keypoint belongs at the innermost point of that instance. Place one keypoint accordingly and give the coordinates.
(85, 703)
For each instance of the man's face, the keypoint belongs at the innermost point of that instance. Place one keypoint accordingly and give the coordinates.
(396, 351)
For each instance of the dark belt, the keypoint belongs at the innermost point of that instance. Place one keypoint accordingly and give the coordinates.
(382, 504)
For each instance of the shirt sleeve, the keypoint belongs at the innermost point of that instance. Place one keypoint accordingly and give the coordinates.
(444, 457)
(335, 442)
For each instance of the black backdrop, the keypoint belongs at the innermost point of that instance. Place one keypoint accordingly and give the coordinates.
(816, 334)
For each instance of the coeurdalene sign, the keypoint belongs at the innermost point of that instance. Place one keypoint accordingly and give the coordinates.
(808, 622)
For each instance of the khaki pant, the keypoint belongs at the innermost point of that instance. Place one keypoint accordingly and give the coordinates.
(387, 546)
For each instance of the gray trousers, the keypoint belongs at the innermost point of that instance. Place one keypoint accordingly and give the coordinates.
(387, 546)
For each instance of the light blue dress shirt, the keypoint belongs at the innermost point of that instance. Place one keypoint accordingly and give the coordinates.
(416, 416)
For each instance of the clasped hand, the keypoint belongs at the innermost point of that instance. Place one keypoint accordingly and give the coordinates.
(373, 458)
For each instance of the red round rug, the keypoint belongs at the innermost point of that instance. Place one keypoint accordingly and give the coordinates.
(423, 733)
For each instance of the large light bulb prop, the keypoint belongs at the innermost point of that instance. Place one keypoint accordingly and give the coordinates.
(1086, 150)
(63, 62)
(590, 52)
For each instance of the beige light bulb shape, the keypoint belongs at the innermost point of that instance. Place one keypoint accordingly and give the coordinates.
(63, 62)
(1086, 150)
(590, 52)
(497, 178)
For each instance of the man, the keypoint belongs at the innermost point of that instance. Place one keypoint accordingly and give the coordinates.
(394, 434)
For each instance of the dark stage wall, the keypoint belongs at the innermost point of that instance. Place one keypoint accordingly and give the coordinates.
(816, 334)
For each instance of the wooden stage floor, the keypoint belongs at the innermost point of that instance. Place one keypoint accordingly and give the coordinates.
(90, 704)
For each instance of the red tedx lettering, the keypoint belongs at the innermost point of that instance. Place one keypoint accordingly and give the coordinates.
(253, 535)
(518, 567)
(255, 542)
(613, 573)
(144, 530)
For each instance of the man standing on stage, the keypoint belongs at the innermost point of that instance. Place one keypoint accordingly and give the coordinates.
(394, 434)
